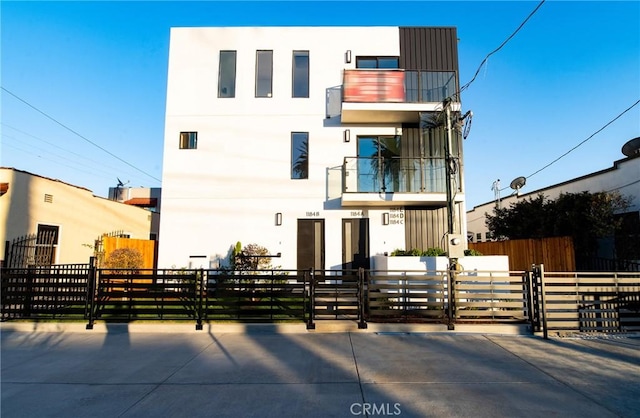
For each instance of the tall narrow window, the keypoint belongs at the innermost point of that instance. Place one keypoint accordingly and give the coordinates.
(188, 140)
(227, 74)
(300, 155)
(300, 74)
(264, 73)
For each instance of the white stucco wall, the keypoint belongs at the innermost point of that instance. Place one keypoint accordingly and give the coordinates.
(80, 216)
(230, 188)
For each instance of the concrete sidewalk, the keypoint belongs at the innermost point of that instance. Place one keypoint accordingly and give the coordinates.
(270, 374)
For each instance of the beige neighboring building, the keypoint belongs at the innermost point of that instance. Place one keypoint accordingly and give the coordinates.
(72, 215)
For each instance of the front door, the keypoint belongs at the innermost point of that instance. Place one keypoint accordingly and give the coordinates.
(355, 243)
(310, 244)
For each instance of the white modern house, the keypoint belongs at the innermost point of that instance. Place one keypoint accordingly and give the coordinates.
(326, 145)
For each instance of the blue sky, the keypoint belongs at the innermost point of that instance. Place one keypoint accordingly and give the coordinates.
(100, 68)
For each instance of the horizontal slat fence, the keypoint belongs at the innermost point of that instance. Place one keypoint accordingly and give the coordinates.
(591, 302)
(147, 295)
(262, 296)
(336, 295)
(406, 296)
(485, 296)
(561, 302)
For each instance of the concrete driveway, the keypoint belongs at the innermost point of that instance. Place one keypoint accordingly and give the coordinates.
(120, 373)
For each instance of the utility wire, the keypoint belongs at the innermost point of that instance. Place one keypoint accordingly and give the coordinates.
(591, 136)
(79, 135)
(581, 143)
(484, 61)
(80, 156)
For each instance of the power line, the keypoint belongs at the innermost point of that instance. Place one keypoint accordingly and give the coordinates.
(80, 156)
(581, 143)
(79, 135)
(500, 47)
(591, 136)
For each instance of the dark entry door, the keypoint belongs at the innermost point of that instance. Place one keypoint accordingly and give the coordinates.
(310, 244)
(355, 243)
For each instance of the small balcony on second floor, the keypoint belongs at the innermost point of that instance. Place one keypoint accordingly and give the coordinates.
(378, 181)
(395, 96)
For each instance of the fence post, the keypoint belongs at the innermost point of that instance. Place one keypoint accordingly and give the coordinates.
(312, 291)
(361, 298)
(199, 292)
(91, 291)
(545, 331)
(29, 291)
(6, 262)
(527, 279)
(450, 296)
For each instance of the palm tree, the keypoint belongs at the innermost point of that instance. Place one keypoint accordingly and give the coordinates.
(387, 158)
(301, 165)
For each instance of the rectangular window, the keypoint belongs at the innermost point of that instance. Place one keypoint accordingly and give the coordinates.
(299, 155)
(227, 74)
(264, 73)
(46, 245)
(300, 74)
(377, 62)
(188, 140)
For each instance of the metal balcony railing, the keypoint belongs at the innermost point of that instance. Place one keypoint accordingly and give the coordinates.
(396, 174)
(398, 86)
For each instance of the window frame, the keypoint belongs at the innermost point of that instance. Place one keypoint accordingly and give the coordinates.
(269, 94)
(295, 156)
(232, 94)
(294, 94)
(191, 142)
(377, 59)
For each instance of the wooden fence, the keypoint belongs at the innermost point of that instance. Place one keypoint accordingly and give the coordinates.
(146, 247)
(556, 253)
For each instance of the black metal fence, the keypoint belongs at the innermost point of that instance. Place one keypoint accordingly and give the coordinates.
(563, 302)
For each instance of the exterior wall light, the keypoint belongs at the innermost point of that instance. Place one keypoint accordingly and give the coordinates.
(347, 56)
(278, 219)
(385, 218)
(346, 135)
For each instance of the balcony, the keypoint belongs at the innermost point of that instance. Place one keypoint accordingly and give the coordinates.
(395, 96)
(373, 181)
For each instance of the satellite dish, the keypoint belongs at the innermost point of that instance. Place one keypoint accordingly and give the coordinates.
(632, 148)
(120, 183)
(518, 183)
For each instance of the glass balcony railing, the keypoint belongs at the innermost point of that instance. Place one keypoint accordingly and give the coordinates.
(394, 175)
(398, 86)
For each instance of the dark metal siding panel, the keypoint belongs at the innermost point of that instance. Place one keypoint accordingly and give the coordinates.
(425, 227)
(410, 142)
(433, 49)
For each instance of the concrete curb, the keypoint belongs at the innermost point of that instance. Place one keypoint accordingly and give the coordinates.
(239, 328)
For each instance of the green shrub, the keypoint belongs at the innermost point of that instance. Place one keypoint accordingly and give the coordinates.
(472, 253)
(429, 252)
(125, 258)
(434, 252)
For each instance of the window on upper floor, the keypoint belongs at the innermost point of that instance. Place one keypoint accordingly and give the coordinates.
(188, 140)
(377, 62)
(300, 86)
(264, 73)
(227, 74)
(299, 155)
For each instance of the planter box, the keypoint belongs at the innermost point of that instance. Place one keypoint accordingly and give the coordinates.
(480, 265)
